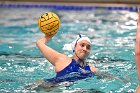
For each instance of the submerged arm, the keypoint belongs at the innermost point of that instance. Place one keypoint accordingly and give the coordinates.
(107, 75)
(104, 74)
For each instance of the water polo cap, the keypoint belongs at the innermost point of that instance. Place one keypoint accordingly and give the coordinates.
(79, 38)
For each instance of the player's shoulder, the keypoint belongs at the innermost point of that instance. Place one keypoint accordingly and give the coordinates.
(92, 68)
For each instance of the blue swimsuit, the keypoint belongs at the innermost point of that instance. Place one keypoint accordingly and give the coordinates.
(71, 73)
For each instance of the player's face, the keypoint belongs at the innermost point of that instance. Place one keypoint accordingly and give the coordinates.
(82, 49)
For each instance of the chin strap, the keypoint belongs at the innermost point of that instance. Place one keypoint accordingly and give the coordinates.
(80, 60)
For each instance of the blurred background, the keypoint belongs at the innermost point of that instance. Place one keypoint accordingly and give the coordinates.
(85, 1)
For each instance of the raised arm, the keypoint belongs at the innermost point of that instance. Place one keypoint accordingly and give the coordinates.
(137, 51)
(55, 58)
(50, 54)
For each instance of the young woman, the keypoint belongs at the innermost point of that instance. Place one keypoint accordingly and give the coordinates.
(65, 65)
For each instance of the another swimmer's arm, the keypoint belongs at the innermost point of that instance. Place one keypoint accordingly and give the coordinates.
(137, 51)
(137, 48)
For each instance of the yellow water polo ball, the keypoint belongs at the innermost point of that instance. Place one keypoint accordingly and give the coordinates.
(49, 23)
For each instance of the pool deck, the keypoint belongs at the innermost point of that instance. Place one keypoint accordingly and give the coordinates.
(86, 4)
(81, 1)
(73, 3)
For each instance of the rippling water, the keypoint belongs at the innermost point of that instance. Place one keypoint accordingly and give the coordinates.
(113, 40)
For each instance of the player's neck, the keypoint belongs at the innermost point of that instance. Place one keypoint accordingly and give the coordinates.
(81, 62)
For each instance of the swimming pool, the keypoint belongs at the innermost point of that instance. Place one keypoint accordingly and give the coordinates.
(111, 30)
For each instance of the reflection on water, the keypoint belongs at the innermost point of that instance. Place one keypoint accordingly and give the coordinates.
(113, 38)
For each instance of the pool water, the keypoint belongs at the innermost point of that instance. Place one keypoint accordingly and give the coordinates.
(113, 41)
